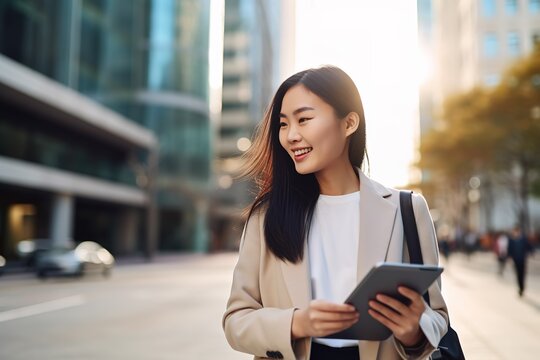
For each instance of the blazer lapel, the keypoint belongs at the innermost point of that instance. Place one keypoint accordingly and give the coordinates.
(377, 215)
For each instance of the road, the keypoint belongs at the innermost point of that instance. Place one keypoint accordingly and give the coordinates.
(171, 309)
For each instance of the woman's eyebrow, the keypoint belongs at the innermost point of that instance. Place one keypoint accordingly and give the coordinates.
(297, 111)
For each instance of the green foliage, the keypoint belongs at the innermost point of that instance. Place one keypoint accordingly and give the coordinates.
(489, 130)
(535, 188)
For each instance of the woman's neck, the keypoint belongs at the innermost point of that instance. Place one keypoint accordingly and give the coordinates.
(341, 179)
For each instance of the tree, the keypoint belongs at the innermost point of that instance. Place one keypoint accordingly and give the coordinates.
(460, 147)
(515, 112)
(492, 133)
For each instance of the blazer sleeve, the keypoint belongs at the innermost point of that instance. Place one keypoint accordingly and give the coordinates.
(249, 326)
(434, 320)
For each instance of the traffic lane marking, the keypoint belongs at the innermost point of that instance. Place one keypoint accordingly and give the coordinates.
(41, 308)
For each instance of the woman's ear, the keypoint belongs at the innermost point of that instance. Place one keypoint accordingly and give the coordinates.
(352, 121)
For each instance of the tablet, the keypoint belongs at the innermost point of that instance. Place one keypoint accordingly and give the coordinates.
(384, 278)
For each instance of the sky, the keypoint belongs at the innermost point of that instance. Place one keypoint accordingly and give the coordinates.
(375, 42)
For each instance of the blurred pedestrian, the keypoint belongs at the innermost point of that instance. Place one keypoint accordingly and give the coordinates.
(518, 249)
(471, 239)
(444, 241)
(444, 244)
(317, 226)
(459, 241)
(501, 251)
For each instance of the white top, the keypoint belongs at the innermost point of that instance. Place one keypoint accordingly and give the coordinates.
(333, 251)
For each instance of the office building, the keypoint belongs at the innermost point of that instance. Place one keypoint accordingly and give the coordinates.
(476, 40)
(108, 118)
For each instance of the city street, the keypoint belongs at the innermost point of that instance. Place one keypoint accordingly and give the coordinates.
(171, 309)
(490, 318)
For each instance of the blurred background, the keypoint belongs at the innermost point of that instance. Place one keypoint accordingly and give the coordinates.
(123, 122)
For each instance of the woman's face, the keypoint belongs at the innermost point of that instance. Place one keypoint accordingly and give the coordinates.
(310, 131)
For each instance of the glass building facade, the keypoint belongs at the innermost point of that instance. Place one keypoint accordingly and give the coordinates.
(250, 58)
(147, 60)
(24, 138)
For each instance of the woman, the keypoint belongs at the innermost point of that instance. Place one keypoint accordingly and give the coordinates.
(316, 228)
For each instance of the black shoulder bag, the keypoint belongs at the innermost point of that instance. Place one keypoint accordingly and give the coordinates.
(449, 346)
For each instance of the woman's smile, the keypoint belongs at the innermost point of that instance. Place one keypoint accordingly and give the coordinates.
(301, 153)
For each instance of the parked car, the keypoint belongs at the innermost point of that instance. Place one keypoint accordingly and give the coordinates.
(29, 250)
(2, 264)
(86, 257)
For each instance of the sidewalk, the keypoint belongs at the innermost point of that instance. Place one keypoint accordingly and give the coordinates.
(490, 318)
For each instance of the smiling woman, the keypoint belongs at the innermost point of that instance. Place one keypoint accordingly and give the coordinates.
(317, 226)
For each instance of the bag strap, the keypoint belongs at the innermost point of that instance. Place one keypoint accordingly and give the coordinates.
(411, 231)
(415, 254)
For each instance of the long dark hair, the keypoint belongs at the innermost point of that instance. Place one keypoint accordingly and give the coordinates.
(288, 197)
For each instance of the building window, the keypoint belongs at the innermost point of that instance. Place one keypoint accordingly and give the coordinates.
(534, 6)
(513, 43)
(536, 39)
(511, 7)
(491, 80)
(491, 46)
(488, 8)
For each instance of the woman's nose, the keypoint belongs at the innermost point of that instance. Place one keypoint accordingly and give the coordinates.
(293, 135)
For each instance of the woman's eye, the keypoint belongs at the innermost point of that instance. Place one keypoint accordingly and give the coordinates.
(304, 119)
(282, 124)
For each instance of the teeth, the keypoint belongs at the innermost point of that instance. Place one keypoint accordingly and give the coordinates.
(302, 151)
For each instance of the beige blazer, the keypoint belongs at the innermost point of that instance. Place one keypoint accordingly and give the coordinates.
(265, 290)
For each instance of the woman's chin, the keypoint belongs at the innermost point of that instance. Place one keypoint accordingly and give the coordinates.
(302, 170)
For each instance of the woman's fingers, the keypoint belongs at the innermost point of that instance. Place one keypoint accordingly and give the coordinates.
(383, 320)
(323, 328)
(326, 318)
(392, 303)
(416, 306)
(402, 320)
(333, 307)
(325, 311)
(332, 316)
(385, 311)
(408, 293)
(417, 302)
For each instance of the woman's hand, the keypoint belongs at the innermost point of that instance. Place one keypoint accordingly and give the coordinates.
(401, 319)
(322, 318)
